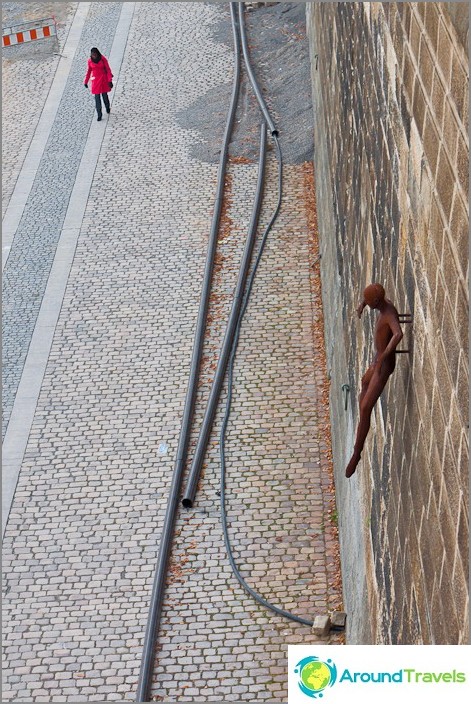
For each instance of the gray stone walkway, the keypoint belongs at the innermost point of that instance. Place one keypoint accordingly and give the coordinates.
(29, 262)
(32, 82)
(82, 533)
(49, 305)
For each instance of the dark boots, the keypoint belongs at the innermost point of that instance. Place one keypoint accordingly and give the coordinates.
(106, 101)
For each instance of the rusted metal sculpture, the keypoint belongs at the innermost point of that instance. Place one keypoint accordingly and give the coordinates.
(387, 336)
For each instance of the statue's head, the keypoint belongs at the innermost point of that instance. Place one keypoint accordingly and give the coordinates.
(374, 295)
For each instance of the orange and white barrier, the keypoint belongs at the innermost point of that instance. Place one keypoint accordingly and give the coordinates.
(29, 31)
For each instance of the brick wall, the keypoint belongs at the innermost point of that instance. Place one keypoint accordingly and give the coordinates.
(390, 94)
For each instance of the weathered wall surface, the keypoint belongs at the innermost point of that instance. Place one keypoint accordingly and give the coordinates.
(390, 89)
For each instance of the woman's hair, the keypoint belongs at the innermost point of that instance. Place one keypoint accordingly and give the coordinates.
(94, 50)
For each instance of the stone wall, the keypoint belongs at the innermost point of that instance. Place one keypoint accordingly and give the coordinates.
(390, 94)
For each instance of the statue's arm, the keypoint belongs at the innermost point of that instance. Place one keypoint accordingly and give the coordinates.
(394, 341)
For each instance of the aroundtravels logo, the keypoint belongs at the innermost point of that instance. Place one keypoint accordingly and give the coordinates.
(337, 673)
(315, 675)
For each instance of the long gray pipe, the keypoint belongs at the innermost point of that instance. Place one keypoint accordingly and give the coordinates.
(203, 438)
(228, 341)
(155, 608)
(253, 80)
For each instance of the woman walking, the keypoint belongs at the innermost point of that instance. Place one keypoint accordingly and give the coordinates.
(100, 72)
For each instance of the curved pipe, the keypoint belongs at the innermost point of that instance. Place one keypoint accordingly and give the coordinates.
(253, 81)
(155, 608)
(228, 341)
(225, 421)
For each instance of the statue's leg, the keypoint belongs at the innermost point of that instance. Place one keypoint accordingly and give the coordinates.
(373, 392)
(365, 382)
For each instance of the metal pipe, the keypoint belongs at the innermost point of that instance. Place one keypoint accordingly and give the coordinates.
(155, 608)
(253, 80)
(227, 344)
(230, 382)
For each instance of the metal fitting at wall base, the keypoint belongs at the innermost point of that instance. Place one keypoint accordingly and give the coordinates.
(324, 623)
(338, 620)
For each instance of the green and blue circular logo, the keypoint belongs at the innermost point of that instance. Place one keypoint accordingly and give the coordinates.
(315, 675)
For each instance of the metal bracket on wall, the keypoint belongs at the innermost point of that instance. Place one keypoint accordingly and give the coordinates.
(404, 318)
(346, 390)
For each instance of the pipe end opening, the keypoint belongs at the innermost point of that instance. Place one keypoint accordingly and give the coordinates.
(187, 503)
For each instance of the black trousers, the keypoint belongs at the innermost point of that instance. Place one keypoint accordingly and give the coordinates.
(106, 101)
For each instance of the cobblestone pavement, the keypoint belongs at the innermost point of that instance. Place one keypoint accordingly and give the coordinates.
(26, 78)
(27, 269)
(80, 544)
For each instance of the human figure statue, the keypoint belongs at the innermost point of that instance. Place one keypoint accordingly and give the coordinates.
(388, 334)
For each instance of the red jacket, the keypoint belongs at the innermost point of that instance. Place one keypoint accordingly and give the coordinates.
(101, 75)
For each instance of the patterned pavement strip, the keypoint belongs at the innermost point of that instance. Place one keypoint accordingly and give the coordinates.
(31, 92)
(28, 265)
(22, 413)
(79, 548)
